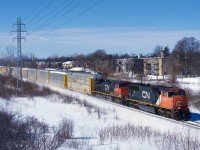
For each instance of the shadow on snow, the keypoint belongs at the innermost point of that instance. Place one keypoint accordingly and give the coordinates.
(195, 116)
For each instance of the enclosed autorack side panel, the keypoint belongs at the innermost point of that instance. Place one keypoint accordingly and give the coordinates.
(14, 72)
(81, 81)
(32, 74)
(25, 73)
(43, 76)
(58, 79)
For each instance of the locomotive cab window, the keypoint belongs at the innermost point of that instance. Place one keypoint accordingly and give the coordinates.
(122, 85)
(172, 94)
(180, 93)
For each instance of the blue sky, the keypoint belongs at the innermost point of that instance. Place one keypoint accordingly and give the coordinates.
(68, 27)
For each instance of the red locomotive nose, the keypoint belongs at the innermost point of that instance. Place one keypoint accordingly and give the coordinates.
(180, 102)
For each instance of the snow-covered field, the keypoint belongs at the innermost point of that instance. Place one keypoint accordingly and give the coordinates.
(192, 83)
(95, 128)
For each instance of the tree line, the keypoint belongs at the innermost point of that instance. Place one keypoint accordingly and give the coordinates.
(182, 60)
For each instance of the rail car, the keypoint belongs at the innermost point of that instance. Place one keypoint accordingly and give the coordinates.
(82, 81)
(166, 101)
(43, 76)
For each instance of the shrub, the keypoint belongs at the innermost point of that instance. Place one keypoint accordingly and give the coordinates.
(30, 134)
(8, 88)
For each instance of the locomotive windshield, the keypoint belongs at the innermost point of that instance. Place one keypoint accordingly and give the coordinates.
(123, 85)
(180, 93)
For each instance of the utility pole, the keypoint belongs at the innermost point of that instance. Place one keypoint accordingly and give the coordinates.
(19, 30)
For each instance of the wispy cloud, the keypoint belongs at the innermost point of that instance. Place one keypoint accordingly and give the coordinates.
(113, 40)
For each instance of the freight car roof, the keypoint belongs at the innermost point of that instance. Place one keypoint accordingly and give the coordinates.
(74, 73)
(84, 74)
(58, 72)
(42, 70)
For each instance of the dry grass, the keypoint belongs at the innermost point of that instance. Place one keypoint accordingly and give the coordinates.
(8, 89)
(164, 141)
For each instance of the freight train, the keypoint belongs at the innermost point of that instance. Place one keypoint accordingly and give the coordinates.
(165, 101)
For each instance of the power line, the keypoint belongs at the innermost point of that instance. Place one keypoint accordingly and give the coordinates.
(34, 10)
(69, 20)
(42, 10)
(73, 18)
(48, 22)
(49, 12)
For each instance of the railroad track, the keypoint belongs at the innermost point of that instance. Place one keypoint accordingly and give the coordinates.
(191, 124)
(197, 124)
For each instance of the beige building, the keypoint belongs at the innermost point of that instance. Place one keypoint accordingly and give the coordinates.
(134, 65)
(145, 66)
(154, 66)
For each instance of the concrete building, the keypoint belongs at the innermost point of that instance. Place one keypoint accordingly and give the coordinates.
(146, 66)
(154, 66)
(134, 65)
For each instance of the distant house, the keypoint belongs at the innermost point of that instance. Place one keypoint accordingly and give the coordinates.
(145, 66)
(68, 64)
(40, 64)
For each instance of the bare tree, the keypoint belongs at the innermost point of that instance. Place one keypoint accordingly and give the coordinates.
(9, 59)
(173, 67)
(29, 60)
(187, 51)
(80, 60)
(157, 50)
(101, 62)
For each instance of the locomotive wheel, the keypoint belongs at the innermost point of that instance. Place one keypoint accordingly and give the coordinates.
(160, 112)
(113, 99)
(123, 102)
(174, 115)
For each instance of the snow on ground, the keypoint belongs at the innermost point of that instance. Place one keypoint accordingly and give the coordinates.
(192, 83)
(89, 123)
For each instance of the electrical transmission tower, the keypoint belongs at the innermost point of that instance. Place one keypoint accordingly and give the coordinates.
(19, 31)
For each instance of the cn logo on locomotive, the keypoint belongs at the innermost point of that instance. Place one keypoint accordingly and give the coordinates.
(107, 88)
(145, 94)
